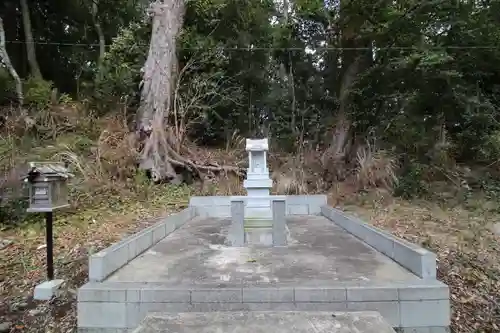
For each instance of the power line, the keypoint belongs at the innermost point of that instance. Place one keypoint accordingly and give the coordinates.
(456, 47)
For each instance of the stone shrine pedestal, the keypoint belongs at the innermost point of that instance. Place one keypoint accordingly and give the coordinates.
(258, 211)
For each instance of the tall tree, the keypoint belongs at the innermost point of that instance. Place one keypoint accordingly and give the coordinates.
(158, 154)
(355, 58)
(30, 43)
(100, 33)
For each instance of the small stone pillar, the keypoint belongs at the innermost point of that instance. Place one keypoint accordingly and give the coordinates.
(258, 183)
(274, 235)
(279, 221)
(238, 222)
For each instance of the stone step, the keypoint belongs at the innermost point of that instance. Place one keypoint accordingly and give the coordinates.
(258, 223)
(265, 322)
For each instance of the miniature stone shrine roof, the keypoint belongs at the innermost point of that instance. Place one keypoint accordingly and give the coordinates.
(257, 144)
(48, 169)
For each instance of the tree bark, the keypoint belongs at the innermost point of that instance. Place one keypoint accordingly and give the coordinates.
(100, 34)
(354, 60)
(158, 156)
(30, 45)
(4, 57)
(291, 79)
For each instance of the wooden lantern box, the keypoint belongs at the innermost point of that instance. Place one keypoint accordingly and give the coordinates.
(48, 187)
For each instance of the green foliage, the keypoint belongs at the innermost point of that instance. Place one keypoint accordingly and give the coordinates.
(412, 182)
(37, 93)
(422, 69)
(490, 150)
(13, 212)
(120, 75)
(7, 87)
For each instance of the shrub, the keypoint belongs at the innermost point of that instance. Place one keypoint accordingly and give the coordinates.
(120, 75)
(37, 93)
(411, 182)
(13, 211)
(7, 87)
(375, 168)
(490, 150)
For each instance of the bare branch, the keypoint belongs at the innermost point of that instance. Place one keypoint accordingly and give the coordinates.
(4, 57)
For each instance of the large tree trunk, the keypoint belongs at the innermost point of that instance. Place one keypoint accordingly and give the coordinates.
(4, 57)
(100, 34)
(30, 45)
(291, 78)
(158, 156)
(354, 60)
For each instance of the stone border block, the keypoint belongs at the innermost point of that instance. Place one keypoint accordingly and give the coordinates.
(97, 267)
(319, 306)
(104, 330)
(297, 209)
(423, 329)
(404, 304)
(161, 295)
(102, 314)
(320, 295)
(268, 295)
(220, 206)
(434, 291)
(372, 294)
(416, 259)
(98, 292)
(305, 204)
(47, 289)
(425, 313)
(107, 261)
(217, 296)
(209, 201)
(159, 232)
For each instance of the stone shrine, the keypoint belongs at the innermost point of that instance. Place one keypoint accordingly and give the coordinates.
(258, 183)
(238, 264)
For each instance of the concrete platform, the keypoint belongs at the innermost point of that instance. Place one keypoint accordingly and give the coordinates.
(332, 262)
(262, 322)
(319, 253)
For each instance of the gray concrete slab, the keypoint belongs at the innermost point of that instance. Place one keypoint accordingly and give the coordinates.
(263, 322)
(323, 267)
(318, 253)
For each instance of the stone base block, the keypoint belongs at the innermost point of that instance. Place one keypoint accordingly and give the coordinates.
(48, 289)
(279, 322)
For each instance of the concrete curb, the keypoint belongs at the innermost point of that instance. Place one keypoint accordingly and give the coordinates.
(411, 304)
(416, 259)
(107, 261)
(220, 206)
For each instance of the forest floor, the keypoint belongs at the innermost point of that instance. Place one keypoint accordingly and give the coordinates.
(461, 234)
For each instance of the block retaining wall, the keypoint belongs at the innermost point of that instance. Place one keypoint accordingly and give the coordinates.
(104, 263)
(414, 258)
(218, 206)
(407, 305)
